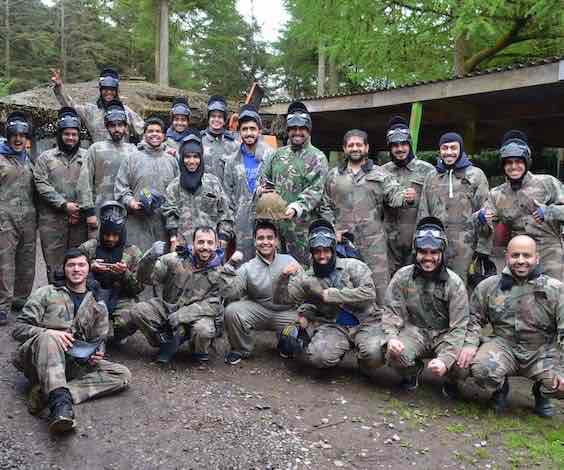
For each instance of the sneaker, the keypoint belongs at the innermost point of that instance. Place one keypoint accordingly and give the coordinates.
(411, 382)
(200, 357)
(3, 317)
(543, 406)
(233, 357)
(450, 390)
(499, 398)
(61, 418)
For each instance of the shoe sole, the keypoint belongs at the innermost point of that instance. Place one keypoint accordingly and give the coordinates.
(62, 425)
(233, 362)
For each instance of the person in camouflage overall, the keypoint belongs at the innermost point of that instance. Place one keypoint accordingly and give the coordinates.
(410, 172)
(113, 261)
(455, 194)
(180, 124)
(61, 223)
(426, 311)
(98, 173)
(18, 217)
(335, 301)
(54, 318)
(92, 115)
(141, 184)
(193, 283)
(195, 198)
(241, 174)
(354, 198)
(528, 204)
(297, 172)
(217, 141)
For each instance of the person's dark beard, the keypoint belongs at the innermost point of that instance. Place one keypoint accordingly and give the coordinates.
(117, 137)
(356, 157)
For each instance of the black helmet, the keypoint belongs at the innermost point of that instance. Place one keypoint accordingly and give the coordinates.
(192, 143)
(115, 112)
(430, 233)
(109, 78)
(180, 107)
(515, 144)
(480, 268)
(17, 123)
(398, 131)
(113, 217)
(217, 103)
(322, 234)
(298, 115)
(293, 340)
(249, 112)
(68, 118)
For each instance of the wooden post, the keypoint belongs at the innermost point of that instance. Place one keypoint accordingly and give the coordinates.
(163, 42)
(469, 134)
(415, 124)
(7, 39)
(321, 69)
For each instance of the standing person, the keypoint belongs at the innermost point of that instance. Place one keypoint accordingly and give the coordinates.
(410, 172)
(354, 198)
(93, 114)
(51, 326)
(297, 172)
(98, 173)
(525, 309)
(254, 284)
(217, 141)
(62, 224)
(195, 198)
(241, 174)
(455, 194)
(528, 204)
(18, 216)
(141, 183)
(180, 123)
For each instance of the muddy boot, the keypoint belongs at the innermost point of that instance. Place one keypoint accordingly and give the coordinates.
(499, 398)
(36, 400)
(543, 406)
(3, 317)
(61, 418)
(411, 382)
(450, 390)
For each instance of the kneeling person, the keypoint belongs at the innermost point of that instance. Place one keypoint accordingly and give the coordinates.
(336, 297)
(255, 282)
(54, 320)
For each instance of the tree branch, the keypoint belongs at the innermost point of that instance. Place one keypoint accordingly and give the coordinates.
(419, 9)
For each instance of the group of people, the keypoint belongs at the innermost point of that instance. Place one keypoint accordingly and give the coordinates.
(192, 233)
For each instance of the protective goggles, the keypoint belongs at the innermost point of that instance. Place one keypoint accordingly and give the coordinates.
(18, 127)
(515, 149)
(322, 238)
(430, 238)
(395, 136)
(298, 120)
(217, 106)
(180, 109)
(115, 115)
(108, 82)
(69, 122)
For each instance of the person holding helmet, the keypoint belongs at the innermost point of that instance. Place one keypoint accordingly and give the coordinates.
(195, 198)
(528, 204)
(241, 174)
(18, 216)
(335, 302)
(99, 170)
(426, 310)
(180, 123)
(217, 141)
(62, 224)
(410, 172)
(455, 194)
(297, 172)
(113, 261)
(92, 115)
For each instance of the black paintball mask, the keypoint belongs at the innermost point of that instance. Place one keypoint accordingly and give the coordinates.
(322, 235)
(192, 143)
(17, 123)
(180, 107)
(109, 78)
(113, 219)
(398, 132)
(298, 116)
(68, 119)
(515, 144)
(430, 234)
(115, 113)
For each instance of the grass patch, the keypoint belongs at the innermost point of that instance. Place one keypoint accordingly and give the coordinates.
(457, 428)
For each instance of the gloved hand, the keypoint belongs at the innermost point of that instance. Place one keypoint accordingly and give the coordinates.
(157, 250)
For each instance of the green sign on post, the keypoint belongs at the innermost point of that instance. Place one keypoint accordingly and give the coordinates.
(415, 123)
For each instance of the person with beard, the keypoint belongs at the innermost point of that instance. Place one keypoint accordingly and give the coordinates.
(297, 172)
(180, 121)
(217, 141)
(241, 174)
(455, 194)
(92, 115)
(113, 261)
(193, 282)
(410, 172)
(18, 216)
(99, 170)
(528, 204)
(62, 224)
(354, 198)
(62, 329)
(141, 182)
(335, 301)
(195, 198)
(525, 309)
(426, 311)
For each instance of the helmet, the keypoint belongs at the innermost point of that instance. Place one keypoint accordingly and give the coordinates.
(515, 145)
(249, 113)
(271, 206)
(398, 131)
(430, 233)
(217, 103)
(298, 115)
(322, 234)
(180, 107)
(293, 340)
(151, 201)
(480, 268)
(68, 119)
(115, 112)
(113, 217)
(192, 143)
(109, 78)
(17, 123)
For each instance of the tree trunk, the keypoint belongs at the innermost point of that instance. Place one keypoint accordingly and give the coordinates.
(157, 38)
(333, 77)
(459, 55)
(163, 43)
(321, 69)
(7, 39)
(63, 48)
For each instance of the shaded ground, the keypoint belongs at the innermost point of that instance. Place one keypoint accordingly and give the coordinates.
(266, 414)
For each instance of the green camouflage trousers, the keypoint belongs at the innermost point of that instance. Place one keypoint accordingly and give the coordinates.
(151, 318)
(122, 319)
(244, 316)
(330, 342)
(17, 262)
(43, 360)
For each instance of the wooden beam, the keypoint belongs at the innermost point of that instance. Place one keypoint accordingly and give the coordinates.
(415, 124)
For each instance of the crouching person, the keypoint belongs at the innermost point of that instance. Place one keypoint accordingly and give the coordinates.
(257, 311)
(526, 311)
(63, 328)
(193, 282)
(426, 313)
(336, 303)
